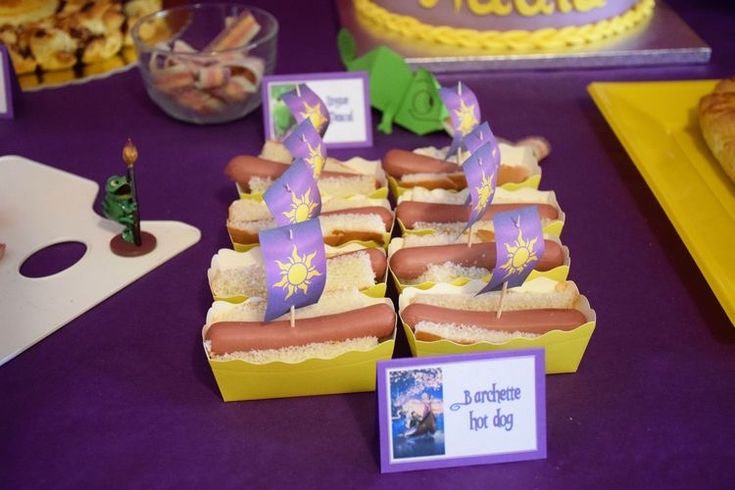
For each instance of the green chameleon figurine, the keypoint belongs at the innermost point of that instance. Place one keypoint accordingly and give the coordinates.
(120, 203)
(410, 99)
(119, 206)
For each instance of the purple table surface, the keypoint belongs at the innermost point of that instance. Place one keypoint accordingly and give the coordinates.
(123, 396)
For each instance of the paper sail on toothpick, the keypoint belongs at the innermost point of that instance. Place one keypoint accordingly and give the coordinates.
(481, 172)
(464, 111)
(305, 104)
(295, 266)
(479, 136)
(519, 244)
(294, 197)
(304, 142)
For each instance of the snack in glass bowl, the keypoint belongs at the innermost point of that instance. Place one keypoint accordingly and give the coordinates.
(204, 63)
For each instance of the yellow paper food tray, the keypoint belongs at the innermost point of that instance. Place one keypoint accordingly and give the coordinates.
(657, 124)
(564, 349)
(349, 373)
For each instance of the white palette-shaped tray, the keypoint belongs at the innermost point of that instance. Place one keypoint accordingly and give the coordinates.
(42, 206)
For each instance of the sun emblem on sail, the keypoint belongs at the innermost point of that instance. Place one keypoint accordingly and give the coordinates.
(315, 159)
(297, 273)
(466, 116)
(314, 113)
(484, 192)
(520, 254)
(302, 207)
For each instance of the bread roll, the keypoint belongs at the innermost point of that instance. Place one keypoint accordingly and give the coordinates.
(717, 120)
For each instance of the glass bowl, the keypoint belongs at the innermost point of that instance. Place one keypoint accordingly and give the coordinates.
(204, 63)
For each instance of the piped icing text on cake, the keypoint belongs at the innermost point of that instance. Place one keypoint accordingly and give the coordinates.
(522, 7)
(410, 26)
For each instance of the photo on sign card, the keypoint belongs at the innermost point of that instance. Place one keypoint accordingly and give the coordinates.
(282, 121)
(345, 95)
(417, 412)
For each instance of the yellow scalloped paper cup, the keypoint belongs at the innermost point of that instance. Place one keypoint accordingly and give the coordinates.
(349, 373)
(564, 349)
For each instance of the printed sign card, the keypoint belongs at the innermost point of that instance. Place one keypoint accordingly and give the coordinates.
(473, 409)
(346, 95)
(9, 87)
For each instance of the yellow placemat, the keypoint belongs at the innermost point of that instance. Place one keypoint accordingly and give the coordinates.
(657, 124)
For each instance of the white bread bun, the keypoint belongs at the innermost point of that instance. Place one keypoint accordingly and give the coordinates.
(247, 217)
(234, 274)
(328, 186)
(510, 156)
(253, 309)
(536, 293)
(330, 303)
(296, 354)
(366, 173)
(539, 293)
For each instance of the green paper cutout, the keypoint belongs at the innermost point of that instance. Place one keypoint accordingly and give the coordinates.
(409, 99)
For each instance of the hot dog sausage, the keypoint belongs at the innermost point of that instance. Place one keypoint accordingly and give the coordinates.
(537, 321)
(410, 212)
(400, 163)
(370, 321)
(378, 261)
(410, 263)
(242, 168)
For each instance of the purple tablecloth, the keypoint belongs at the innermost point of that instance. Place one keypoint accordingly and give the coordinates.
(123, 396)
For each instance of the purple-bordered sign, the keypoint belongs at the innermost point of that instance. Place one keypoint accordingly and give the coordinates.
(8, 84)
(461, 410)
(346, 95)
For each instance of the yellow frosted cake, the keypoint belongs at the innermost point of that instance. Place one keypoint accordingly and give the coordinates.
(505, 25)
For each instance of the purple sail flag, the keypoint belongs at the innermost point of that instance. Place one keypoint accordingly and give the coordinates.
(304, 142)
(294, 197)
(481, 172)
(464, 110)
(519, 244)
(304, 104)
(479, 136)
(295, 266)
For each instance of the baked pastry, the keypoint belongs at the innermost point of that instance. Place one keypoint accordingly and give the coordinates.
(18, 12)
(717, 120)
(56, 35)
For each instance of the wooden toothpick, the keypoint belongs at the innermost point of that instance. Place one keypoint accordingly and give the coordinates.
(502, 298)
